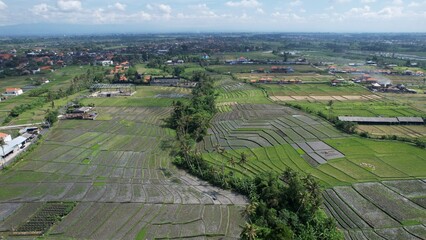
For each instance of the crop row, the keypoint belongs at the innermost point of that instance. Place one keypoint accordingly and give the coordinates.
(372, 209)
(126, 221)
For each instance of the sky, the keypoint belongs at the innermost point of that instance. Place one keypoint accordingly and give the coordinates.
(222, 15)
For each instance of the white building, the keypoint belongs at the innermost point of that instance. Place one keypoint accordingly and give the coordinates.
(105, 63)
(12, 145)
(6, 137)
(13, 92)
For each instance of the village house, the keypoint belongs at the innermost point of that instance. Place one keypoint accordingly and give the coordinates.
(104, 63)
(121, 68)
(13, 92)
(6, 137)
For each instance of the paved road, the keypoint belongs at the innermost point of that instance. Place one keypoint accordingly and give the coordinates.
(20, 126)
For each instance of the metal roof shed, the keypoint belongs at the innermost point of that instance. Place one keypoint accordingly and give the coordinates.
(10, 146)
(410, 120)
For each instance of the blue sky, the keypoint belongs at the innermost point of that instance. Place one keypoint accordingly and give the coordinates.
(224, 15)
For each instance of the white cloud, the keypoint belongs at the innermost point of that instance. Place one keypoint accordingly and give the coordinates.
(288, 16)
(398, 2)
(391, 12)
(166, 9)
(163, 11)
(417, 4)
(340, 1)
(296, 3)
(414, 4)
(69, 5)
(368, 1)
(260, 10)
(118, 6)
(2, 5)
(244, 3)
(357, 11)
(41, 10)
(365, 12)
(201, 11)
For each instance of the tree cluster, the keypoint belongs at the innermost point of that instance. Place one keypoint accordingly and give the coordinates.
(287, 207)
(191, 120)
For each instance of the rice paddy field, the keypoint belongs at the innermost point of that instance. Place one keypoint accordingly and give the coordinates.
(374, 189)
(315, 90)
(408, 131)
(373, 108)
(231, 92)
(306, 77)
(248, 68)
(118, 172)
(60, 79)
(248, 55)
(145, 96)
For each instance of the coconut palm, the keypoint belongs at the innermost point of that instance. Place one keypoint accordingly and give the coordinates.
(219, 149)
(250, 209)
(232, 161)
(243, 159)
(249, 232)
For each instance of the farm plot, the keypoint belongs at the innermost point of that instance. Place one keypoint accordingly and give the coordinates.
(251, 126)
(149, 221)
(145, 96)
(401, 131)
(373, 108)
(311, 145)
(232, 91)
(118, 165)
(44, 218)
(373, 209)
(315, 90)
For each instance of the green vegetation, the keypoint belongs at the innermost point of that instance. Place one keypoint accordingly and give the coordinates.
(314, 90)
(287, 207)
(279, 145)
(284, 211)
(357, 108)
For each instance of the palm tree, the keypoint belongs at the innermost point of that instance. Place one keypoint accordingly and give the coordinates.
(219, 149)
(249, 232)
(250, 209)
(243, 159)
(330, 107)
(232, 161)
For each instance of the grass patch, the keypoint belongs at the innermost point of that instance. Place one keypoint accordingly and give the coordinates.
(141, 234)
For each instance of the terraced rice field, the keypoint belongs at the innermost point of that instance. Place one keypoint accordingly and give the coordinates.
(374, 189)
(275, 137)
(231, 91)
(119, 172)
(387, 210)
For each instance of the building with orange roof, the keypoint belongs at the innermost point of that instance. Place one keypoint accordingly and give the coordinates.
(6, 137)
(6, 56)
(46, 68)
(123, 78)
(13, 92)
